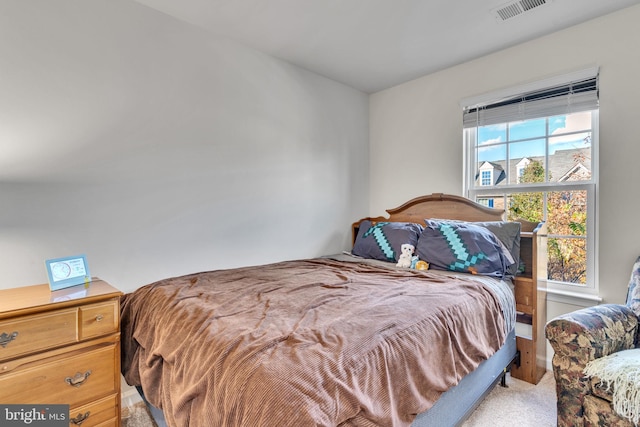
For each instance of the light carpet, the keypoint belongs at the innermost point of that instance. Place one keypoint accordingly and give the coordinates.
(521, 404)
(137, 415)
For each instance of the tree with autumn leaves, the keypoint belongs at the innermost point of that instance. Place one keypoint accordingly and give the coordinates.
(566, 216)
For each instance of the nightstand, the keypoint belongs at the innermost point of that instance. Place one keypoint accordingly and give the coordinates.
(62, 347)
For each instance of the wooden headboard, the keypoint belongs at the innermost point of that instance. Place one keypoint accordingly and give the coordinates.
(436, 205)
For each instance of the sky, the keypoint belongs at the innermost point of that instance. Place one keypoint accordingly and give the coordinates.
(528, 138)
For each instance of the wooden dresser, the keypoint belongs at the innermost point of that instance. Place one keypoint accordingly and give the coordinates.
(63, 347)
(531, 303)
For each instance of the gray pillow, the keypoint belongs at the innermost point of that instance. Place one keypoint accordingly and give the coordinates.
(463, 247)
(509, 234)
(382, 240)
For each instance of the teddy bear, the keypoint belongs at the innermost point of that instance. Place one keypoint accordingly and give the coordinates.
(406, 256)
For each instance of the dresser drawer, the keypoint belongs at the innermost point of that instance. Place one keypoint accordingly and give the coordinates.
(94, 414)
(73, 380)
(99, 319)
(38, 332)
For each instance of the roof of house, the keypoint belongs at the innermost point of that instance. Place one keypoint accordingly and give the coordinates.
(564, 165)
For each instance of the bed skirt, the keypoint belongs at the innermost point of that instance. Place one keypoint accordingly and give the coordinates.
(453, 407)
(457, 404)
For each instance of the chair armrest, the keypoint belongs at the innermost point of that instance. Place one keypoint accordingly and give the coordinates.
(579, 337)
(592, 332)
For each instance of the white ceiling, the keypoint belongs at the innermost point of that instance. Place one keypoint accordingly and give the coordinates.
(375, 44)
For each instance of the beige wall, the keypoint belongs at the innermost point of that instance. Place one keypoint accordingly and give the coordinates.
(416, 130)
(158, 149)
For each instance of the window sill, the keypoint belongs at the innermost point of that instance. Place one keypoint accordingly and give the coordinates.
(573, 298)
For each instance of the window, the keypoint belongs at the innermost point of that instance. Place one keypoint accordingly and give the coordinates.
(486, 178)
(543, 143)
(485, 202)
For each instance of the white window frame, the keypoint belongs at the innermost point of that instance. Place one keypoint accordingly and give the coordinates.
(588, 291)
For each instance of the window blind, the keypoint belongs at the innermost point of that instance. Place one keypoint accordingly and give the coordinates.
(572, 97)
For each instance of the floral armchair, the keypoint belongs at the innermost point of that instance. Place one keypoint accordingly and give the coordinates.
(585, 335)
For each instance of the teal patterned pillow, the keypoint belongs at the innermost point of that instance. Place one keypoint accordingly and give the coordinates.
(382, 240)
(508, 232)
(463, 247)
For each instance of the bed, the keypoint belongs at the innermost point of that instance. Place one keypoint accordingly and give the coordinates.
(342, 340)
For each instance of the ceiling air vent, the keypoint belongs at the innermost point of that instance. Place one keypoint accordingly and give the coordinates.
(516, 8)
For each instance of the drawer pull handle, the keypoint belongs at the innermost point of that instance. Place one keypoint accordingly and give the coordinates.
(78, 420)
(99, 318)
(7, 338)
(78, 379)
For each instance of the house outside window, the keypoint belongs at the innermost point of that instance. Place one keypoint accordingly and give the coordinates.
(547, 154)
(490, 173)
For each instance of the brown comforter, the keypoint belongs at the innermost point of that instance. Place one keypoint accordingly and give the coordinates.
(313, 342)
